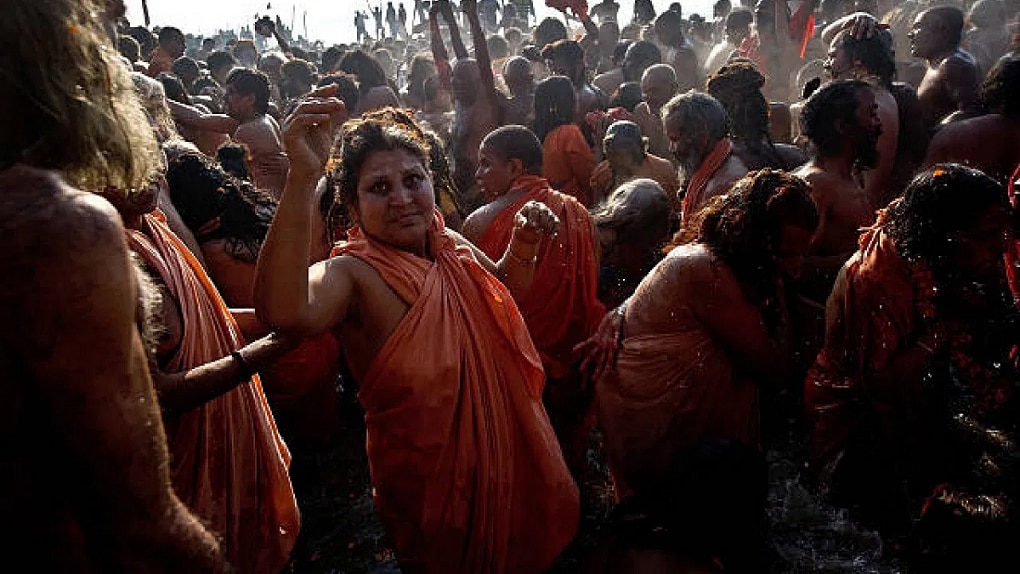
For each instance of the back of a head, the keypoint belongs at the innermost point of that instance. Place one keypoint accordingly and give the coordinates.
(877, 54)
(299, 71)
(99, 140)
(640, 55)
(186, 68)
(952, 21)
(129, 48)
(987, 14)
(145, 39)
(669, 26)
(330, 58)
(168, 35)
(517, 142)
(554, 104)
(173, 88)
(628, 96)
(548, 31)
(564, 50)
(220, 59)
(638, 211)
(347, 89)
(498, 47)
(737, 86)
(834, 102)
(365, 68)
(233, 158)
(660, 73)
(700, 111)
(1001, 88)
(939, 203)
(739, 18)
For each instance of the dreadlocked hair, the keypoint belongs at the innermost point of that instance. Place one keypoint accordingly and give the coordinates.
(387, 129)
(737, 86)
(743, 229)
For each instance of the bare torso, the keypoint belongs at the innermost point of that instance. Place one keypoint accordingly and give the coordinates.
(948, 87)
(989, 143)
(652, 128)
(269, 163)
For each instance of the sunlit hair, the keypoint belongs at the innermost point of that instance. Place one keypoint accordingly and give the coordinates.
(387, 129)
(68, 103)
(940, 204)
(738, 86)
(554, 105)
(743, 229)
(638, 211)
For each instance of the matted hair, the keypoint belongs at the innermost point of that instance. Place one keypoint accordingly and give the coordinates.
(68, 102)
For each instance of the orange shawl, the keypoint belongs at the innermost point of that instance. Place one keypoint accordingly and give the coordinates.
(694, 196)
(467, 473)
(567, 162)
(562, 307)
(228, 462)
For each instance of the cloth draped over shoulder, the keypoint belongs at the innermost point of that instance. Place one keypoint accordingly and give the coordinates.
(228, 462)
(467, 472)
(694, 197)
(666, 392)
(562, 307)
(568, 162)
(874, 302)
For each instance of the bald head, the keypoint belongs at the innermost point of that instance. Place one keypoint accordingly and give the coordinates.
(638, 214)
(658, 85)
(518, 75)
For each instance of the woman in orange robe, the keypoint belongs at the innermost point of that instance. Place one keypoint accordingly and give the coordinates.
(567, 159)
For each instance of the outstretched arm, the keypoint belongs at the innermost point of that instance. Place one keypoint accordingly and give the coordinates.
(458, 45)
(289, 297)
(193, 117)
(439, 53)
(470, 8)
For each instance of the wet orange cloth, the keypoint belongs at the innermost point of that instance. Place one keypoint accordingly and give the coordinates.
(467, 474)
(228, 462)
(694, 196)
(568, 162)
(562, 307)
(668, 391)
(875, 298)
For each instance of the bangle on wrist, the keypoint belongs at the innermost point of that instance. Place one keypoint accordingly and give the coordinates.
(510, 253)
(246, 369)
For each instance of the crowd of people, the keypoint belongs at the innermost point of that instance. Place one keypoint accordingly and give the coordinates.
(672, 236)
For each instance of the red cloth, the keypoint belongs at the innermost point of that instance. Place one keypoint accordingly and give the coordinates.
(228, 462)
(876, 301)
(580, 7)
(562, 307)
(694, 197)
(568, 162)
(467, 474)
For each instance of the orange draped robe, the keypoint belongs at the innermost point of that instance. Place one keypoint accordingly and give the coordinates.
(228, 462)
(694, 196)
(467, 474)
(667, 392)
(568, 162)
(562, 307)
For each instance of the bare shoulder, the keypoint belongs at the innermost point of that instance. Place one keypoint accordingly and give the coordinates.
(40, 214)
(728, 174)
(477, 223)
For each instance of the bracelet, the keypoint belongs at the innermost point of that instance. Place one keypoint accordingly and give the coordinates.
(246, 368)
(926, 348)
(510, 253)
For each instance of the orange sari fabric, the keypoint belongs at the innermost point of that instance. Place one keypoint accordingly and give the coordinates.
(568, 162)
(228, 462)
(666, 392)
(562, 307)
(875, 298)
(694, 196)
(467, 474)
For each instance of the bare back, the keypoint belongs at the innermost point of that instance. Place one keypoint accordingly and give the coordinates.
(843, 209)
(269, 163)
(989, 143)
(89, 470)
(951, 86)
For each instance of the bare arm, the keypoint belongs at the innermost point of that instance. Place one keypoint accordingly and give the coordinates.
(290, 297)
(736, 324)
(470, 8)
(439, 53)
(458, 45)
(964, 88)
(85, 358)
(193, 117)
(180, 392)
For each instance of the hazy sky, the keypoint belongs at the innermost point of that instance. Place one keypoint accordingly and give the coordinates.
(329, 20)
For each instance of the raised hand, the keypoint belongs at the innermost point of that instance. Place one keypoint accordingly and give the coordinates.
(308, 131)
(533, 222)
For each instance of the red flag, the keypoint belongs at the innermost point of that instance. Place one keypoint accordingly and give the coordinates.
(809, 32)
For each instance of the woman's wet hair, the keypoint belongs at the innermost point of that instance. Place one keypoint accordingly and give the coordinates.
(743, 229)
(638, 213)
(387, 129)
(215, 205)
(940, 203)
